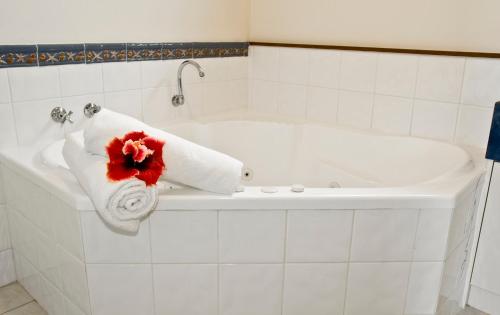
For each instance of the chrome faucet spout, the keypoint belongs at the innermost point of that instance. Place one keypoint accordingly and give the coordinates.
(178, 99)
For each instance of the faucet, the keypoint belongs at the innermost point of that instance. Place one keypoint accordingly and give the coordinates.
(178, 99)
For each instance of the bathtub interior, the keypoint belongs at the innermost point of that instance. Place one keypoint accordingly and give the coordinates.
(316, 155)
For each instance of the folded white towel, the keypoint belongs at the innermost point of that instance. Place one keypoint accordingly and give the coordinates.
(121, 204)
(186, 162)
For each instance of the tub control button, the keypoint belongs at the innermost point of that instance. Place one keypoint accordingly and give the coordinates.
(298, 188)
(269, 189)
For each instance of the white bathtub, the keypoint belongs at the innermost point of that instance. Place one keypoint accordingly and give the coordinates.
(390, 238)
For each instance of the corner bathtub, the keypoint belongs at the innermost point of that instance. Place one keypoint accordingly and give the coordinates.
(383, 226)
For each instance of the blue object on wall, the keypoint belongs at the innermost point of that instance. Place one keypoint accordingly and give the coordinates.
(493, 150)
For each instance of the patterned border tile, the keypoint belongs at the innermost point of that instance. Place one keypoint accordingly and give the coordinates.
(177, 51)
(140, 52)
(61, 54)
(207, 50)
(48, 55)
(97, 53)
(18, 56)
(234, 50)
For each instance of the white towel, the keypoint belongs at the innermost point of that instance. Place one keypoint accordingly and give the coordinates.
(121, 204)
(186, 162)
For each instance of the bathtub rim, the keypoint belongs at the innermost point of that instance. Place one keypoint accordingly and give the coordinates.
(441, 193)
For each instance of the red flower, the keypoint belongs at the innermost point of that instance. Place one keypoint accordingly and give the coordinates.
(135, 155)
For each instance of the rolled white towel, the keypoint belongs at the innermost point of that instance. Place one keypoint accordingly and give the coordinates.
(186, 162)
(121, 204)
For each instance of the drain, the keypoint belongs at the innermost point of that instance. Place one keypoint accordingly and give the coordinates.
(246, 174)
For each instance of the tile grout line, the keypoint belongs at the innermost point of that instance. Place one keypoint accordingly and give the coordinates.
(348, 265)
(283, 273)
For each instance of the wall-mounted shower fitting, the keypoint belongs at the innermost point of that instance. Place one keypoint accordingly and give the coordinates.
(61, 115)
(91, 109)
(178, 99)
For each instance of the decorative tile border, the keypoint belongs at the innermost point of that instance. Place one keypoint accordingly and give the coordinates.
(47, 55)
(18, 56)
(60, 54)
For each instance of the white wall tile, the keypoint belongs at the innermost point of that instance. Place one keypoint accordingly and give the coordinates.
(49, 260)
(434, 120)
(235, 97)
(432, 234)
(52, 300)
(4, 87)
(292, 100)
(27, 275)
(81, 79)
(392, 114)
(7, 126)
(318, 235)
(125, 102)
(194, 99)
(377, 288)
(440, 78)
(481, 82)
(33, 122)
(314, 289)
(7, 269)
(156, 105)
(294, 65)
(71, 309)
(184, 236)
(158, 73)
(4, 228)
(263, 97)
(324, 68)
(383, 235)
(251, 236)
(355, 109)
(264, 63)
(474, 125)
(104, 245)
(396, 74)
(68, 228)
(34, 83)
(423, 288)
(118, 76)
(224, 69)
(120, 289)
(322, 104)
(185, 289)
(250, 289)
(74, 280)
(358, 71)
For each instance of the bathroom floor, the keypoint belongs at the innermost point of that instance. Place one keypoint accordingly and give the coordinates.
(14, 300)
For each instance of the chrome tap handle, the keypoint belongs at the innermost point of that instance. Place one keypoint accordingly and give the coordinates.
(60, 115)
(91, 109)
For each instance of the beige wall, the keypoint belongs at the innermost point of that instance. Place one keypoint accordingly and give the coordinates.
(466, 25)
(73, 21)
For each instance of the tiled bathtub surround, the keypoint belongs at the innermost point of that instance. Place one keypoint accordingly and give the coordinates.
(443, 98)
(46, 55)
(210, 262)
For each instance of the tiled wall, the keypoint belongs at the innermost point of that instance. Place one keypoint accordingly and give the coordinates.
(444, 98)
(140, 89)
